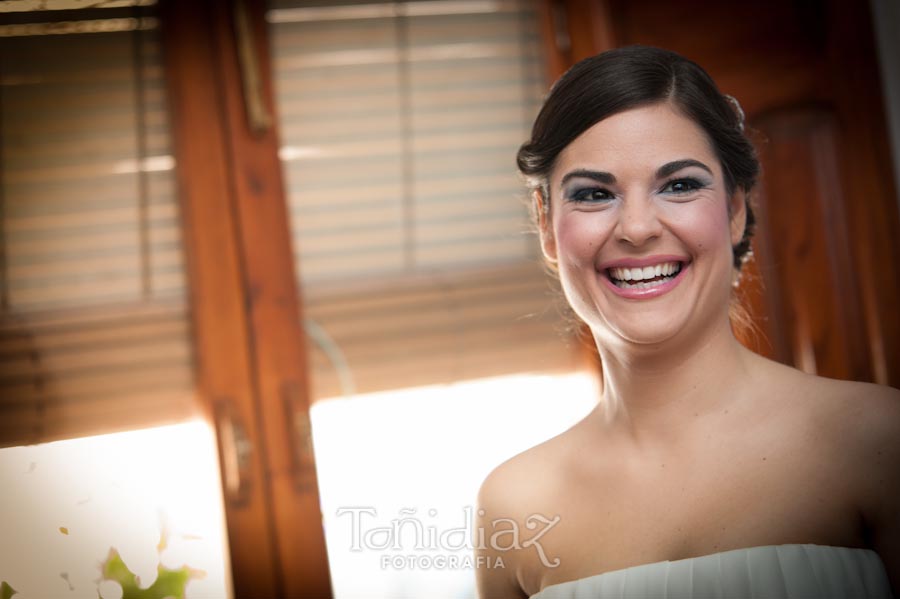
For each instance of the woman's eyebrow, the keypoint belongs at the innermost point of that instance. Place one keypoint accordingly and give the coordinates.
(676, 165)
(599, 176)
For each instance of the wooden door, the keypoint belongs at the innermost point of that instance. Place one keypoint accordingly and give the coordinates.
(823, 287)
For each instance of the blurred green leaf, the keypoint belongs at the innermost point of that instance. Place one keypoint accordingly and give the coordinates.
(6, 591)
(168, 583)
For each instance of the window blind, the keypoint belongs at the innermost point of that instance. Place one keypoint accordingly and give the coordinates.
(94, 329)
(400, 122)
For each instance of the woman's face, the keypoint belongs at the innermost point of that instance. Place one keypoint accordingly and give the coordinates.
(639, 227)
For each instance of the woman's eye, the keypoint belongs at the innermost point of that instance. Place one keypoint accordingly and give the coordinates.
(681, 186)
(591, 195)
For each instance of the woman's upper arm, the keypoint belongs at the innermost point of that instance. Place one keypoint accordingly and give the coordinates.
(881, 508)
(495, 568)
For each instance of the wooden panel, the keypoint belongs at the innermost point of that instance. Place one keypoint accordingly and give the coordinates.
(871, 197)
(272, 304)
(222, 331)
(573, 30)
(806, 252)
(765, 53)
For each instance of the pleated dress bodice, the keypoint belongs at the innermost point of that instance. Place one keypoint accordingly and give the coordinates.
(772, 571)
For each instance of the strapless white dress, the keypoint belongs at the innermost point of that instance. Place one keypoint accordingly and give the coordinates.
(770, 571)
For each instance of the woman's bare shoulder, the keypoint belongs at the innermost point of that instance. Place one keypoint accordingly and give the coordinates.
(852, 420)
(860, 420)
(867, 416)
(536, 479)
(865, 428)
(827, 396)
(522, 488)
(866, 408)
(520, 480)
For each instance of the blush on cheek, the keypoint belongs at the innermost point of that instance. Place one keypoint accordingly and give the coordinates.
(703, 228)
(568, 240)
(579, 235)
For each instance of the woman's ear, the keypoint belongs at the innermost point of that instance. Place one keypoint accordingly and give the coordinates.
(738, 216)
(542, 209)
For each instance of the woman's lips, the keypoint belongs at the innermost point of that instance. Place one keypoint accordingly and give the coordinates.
(652, 290)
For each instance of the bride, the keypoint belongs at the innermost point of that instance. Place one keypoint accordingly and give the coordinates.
(705, 470)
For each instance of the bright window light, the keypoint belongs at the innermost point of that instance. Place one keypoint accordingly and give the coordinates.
(65, 505)
(421, 454)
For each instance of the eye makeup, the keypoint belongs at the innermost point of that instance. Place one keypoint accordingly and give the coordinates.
(588, 194)
(684, 185)
(674, 186)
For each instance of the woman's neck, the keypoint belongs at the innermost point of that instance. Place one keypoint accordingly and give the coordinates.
(655, 392)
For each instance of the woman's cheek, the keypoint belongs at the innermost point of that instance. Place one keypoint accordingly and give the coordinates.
(701, 225)
(575, 246)
(578, 237)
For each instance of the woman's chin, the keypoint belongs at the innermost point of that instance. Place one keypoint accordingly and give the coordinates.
(644, 336)
(643, 332)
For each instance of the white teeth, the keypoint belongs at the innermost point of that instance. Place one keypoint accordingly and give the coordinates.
(640, 285)
(648, 272)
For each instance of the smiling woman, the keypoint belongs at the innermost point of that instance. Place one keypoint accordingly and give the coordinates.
(641, 175)
(655, 181)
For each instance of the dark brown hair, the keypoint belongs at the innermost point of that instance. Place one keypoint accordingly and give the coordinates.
(631, 77)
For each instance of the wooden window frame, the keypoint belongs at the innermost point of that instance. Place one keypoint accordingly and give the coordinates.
(251, 367)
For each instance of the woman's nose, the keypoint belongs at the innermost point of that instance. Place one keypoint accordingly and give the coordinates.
(638, 221)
